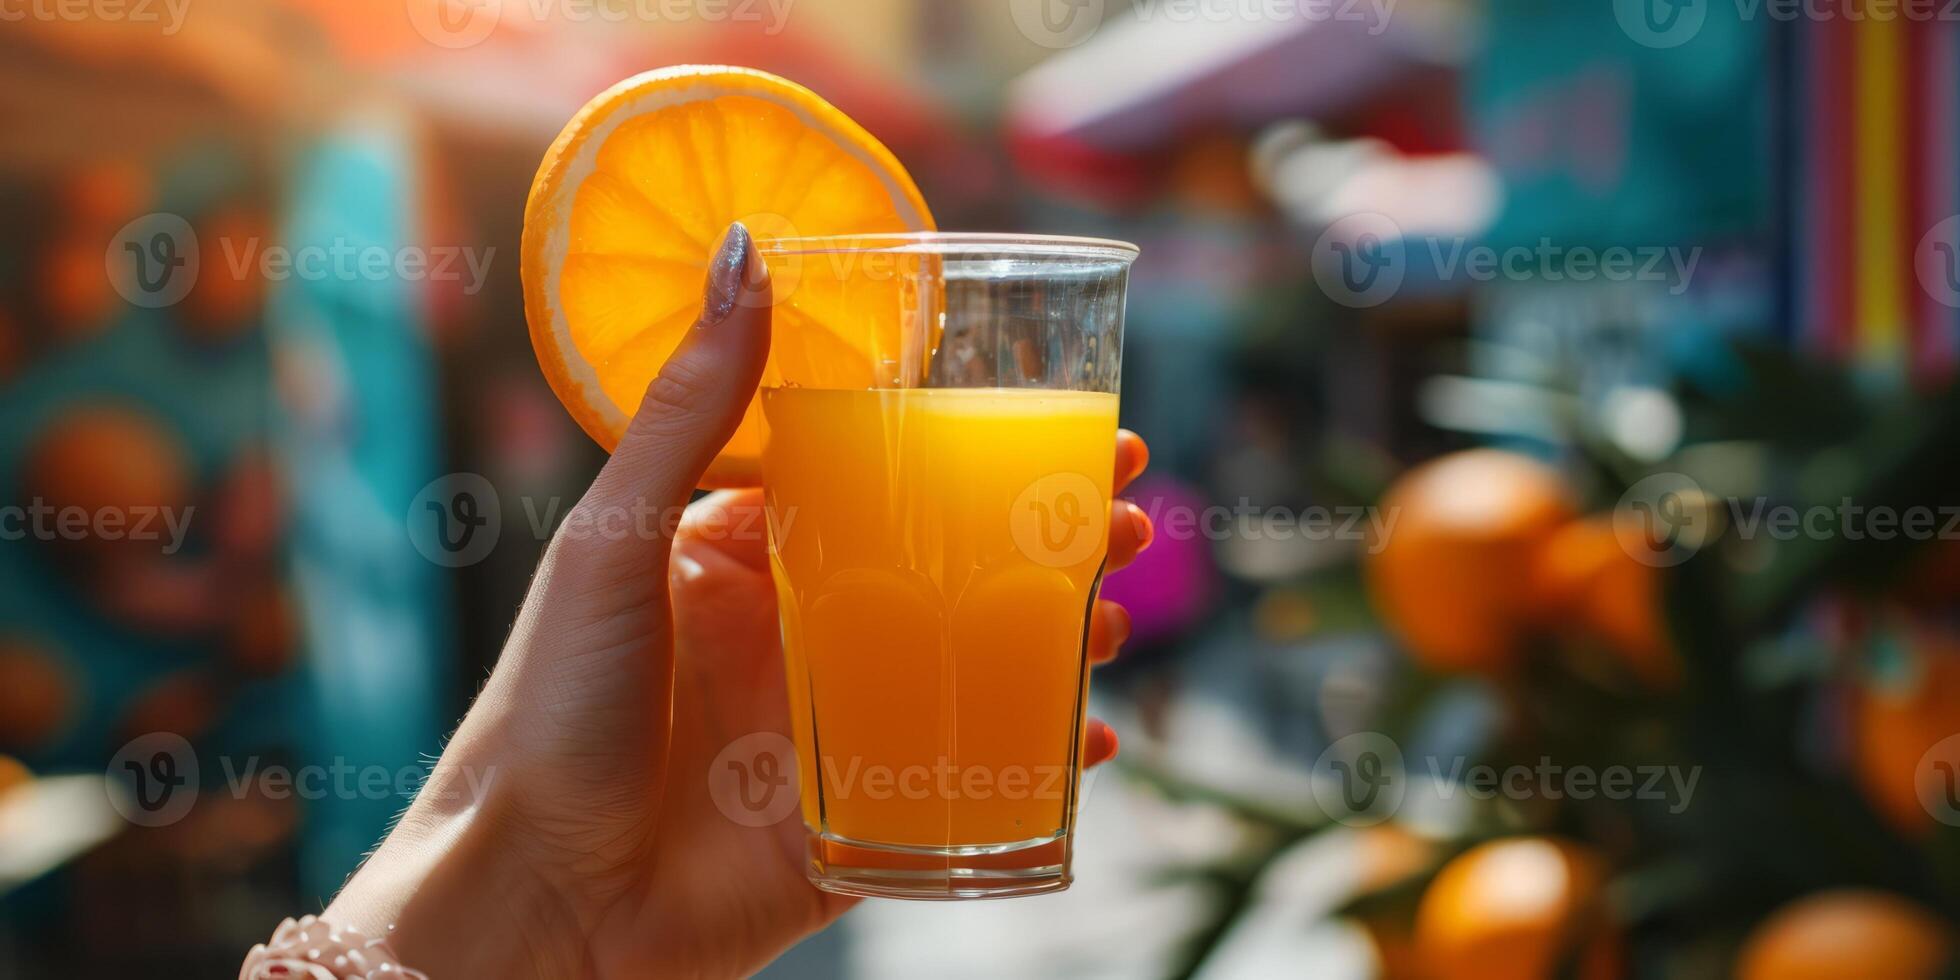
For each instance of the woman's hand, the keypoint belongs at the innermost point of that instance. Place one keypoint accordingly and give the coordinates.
(568, 829)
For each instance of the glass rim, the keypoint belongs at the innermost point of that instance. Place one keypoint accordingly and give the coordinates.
(951, 243)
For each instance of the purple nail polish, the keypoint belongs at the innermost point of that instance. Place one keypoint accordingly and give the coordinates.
(725, 271)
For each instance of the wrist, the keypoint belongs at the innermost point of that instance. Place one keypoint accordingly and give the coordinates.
(451, 888)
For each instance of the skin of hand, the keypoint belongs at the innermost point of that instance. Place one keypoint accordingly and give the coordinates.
(567, 829)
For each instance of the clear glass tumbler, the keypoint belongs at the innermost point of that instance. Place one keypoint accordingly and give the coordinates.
(939, 427)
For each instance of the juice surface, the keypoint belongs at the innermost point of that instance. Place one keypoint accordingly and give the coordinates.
(935, 553)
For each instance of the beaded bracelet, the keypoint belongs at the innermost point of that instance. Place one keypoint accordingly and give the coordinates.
(308, 948)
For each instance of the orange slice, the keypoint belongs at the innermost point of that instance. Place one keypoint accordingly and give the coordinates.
(630, 202)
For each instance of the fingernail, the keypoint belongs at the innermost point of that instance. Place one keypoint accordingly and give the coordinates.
(1099, 742)
(1140, 522)
(725, 271)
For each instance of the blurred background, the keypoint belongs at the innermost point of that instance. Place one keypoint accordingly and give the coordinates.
(1556, 460)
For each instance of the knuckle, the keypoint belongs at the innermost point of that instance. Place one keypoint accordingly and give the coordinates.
(681, 386)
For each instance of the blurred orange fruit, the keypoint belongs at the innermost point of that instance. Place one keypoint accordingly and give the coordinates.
(112, 463)
(1906, 702)
(1453, 575)
(36, 695)
(631, 200)
(248, 508)
(75, 292)
(1589, 584)
(1395, 949)
(13, 774)
(185, 703)
(106, 195)
(265, 631)
(162, 595)
(226, 301)
(1517, 908)
(1846, 933)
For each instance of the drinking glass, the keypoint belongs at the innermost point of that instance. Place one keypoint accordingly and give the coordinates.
(939, 441)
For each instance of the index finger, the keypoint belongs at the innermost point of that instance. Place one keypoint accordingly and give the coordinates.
(731, 522)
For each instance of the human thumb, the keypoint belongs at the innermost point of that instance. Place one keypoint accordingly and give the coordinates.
(695, 404)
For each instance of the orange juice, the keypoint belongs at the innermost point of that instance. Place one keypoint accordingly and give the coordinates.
(936, 552)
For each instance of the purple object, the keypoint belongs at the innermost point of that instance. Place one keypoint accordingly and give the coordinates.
(1171, 584)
